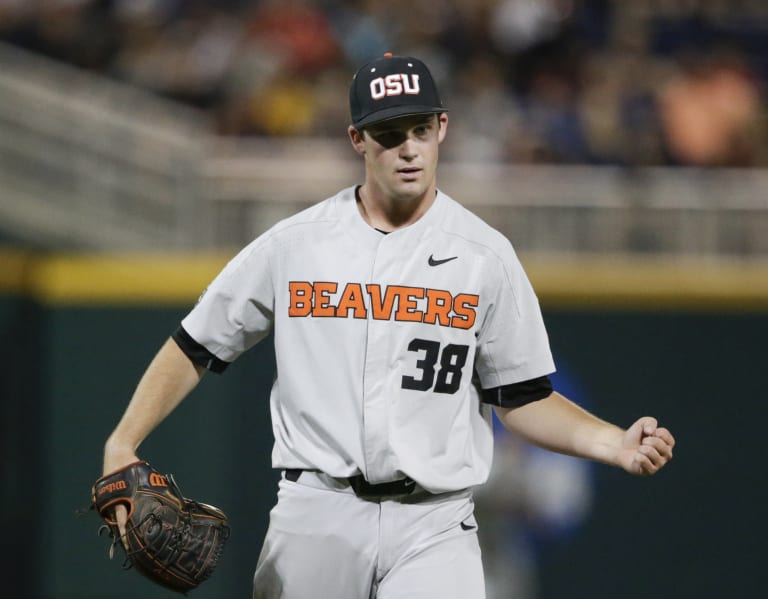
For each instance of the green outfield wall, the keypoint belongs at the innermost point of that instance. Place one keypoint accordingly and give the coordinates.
(685, 342)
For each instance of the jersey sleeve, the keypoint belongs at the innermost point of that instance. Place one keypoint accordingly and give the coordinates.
(236, 310)
(513, 345)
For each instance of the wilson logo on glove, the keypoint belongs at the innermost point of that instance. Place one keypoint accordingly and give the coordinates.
(157, 480)
(119, 485)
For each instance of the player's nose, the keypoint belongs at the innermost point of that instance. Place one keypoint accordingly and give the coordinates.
(409, 148)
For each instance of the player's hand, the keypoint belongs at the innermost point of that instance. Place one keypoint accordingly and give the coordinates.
(645, 447)
(114, 459)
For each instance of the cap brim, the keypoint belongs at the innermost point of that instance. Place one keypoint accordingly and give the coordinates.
(394, 112)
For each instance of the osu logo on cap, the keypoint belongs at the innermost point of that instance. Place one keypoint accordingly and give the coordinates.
(395, 85)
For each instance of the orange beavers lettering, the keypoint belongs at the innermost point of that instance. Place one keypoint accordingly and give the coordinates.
(392, 302)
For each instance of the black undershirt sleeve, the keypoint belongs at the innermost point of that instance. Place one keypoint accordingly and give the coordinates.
(518, 394)
(197, 353)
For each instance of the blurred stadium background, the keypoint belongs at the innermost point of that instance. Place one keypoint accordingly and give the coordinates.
(623, 148)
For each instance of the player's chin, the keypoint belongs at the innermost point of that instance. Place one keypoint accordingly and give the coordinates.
(408, 189)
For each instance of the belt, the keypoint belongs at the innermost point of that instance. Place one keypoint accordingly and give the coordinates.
(363, 488)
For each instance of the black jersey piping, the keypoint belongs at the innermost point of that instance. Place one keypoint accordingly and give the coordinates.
(518, 394)
(197, 353)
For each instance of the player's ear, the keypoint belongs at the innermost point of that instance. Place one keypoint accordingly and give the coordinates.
(356, 139)
(442, 121)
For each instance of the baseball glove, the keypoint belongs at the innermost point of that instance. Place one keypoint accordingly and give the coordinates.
(173, 541)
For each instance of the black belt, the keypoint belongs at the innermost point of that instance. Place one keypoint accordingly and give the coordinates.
(363, 488)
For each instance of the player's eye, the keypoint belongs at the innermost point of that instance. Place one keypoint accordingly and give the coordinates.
(389, 138)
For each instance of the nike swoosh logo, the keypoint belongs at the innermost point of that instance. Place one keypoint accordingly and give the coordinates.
(467, 526)
(433, 262)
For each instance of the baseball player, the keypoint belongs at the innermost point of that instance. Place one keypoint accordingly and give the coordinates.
(400, 321)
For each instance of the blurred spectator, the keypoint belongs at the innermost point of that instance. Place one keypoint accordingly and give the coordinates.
(295, 41)
(551, 112)
(619, 108)
(185, 58)
(360, 29)
(67, 30)
(283, 107)
(711, 112)
(516, 25)
(301, 31)
(563, 81)
(533, 499)
(488, 124)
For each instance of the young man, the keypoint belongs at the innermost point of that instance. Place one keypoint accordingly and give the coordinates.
(400, 319)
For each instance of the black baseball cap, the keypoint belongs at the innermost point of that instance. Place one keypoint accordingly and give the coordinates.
(392, 86)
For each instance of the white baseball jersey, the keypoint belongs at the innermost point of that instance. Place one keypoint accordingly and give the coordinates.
(381, 341)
